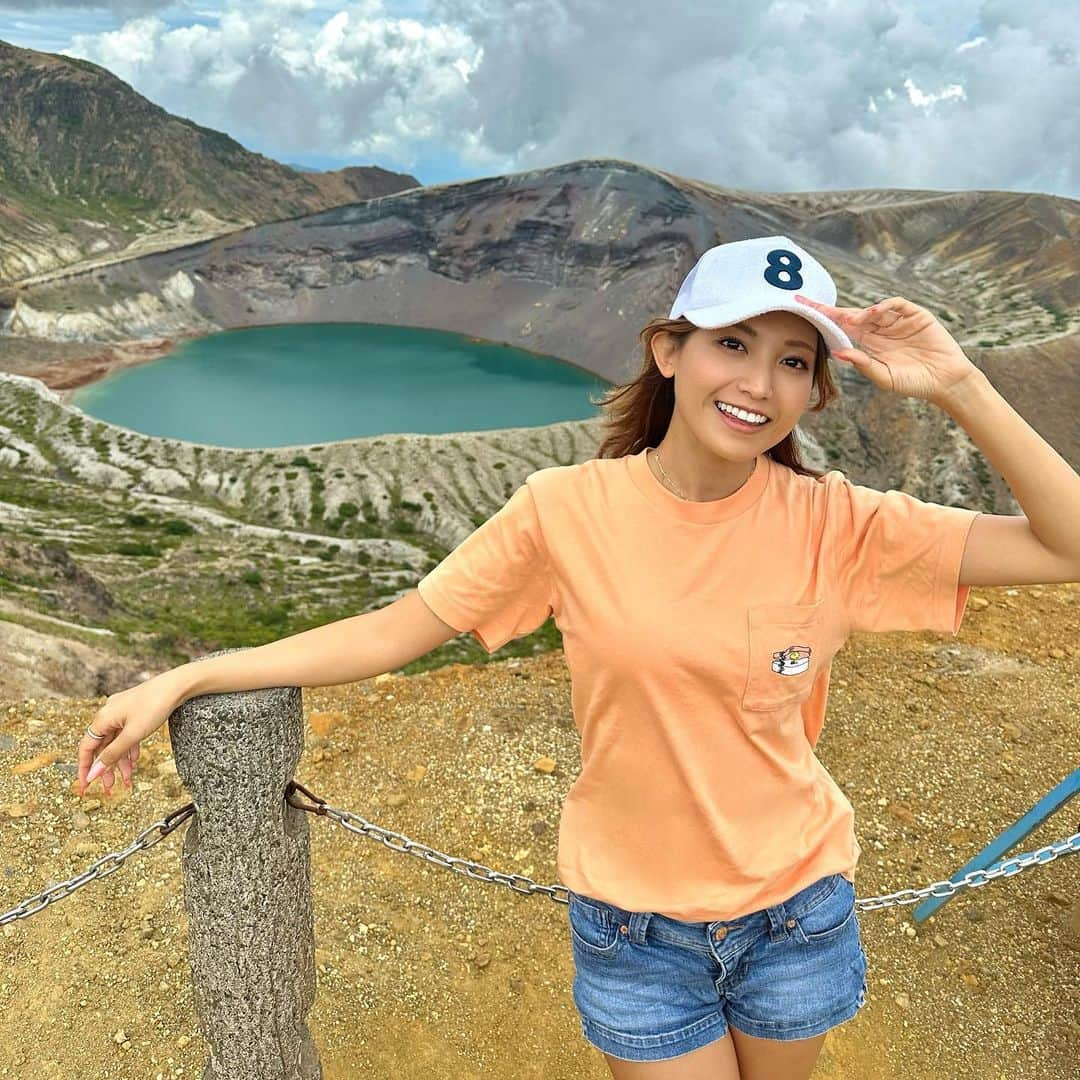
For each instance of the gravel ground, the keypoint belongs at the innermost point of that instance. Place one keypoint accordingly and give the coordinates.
(940, 743)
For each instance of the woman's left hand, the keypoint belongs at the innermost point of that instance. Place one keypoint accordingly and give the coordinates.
(901, 347)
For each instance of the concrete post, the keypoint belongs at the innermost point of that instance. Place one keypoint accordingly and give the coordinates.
(247, 882)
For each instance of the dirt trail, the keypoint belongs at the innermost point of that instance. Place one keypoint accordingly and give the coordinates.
(939, 743)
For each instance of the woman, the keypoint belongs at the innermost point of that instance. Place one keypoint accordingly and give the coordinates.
(703, 579)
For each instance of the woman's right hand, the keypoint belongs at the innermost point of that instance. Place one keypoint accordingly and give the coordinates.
(125, 720)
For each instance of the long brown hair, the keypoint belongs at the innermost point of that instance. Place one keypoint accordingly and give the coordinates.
(637, 413)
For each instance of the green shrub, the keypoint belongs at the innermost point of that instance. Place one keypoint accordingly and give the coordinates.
(275, 615)
(136, 549)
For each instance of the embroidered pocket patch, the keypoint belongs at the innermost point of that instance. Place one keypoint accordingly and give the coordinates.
(793, 660)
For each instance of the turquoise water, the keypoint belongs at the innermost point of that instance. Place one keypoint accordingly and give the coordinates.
(316, 383)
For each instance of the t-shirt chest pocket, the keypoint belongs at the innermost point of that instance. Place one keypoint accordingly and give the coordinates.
(786, 648)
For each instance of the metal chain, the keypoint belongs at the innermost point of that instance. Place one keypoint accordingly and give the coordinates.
(973, 878)
(518, 882)
(99, 868)
(525, 885)
(156, 832)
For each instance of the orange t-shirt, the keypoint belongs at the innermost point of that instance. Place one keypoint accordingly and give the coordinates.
(699, 637)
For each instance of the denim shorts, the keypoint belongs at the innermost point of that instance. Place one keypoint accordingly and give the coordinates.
(649, 987)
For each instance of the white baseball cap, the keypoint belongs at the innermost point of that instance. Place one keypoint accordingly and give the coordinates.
(736, 281)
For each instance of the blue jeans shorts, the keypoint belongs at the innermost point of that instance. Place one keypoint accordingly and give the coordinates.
(649, 987)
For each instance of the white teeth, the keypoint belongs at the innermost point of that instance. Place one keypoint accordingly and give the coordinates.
(742, 414)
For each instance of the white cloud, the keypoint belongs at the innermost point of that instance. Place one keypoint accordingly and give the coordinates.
(782, 95)
(919, 97)
(356, 84)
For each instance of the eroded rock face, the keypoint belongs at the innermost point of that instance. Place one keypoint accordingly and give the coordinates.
(167, 310)
(58, 581)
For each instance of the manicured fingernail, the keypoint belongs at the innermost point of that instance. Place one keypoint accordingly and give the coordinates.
(95, 770)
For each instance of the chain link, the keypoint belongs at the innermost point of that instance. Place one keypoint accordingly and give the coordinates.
(525, 885)
(974, 878)
(519, 883)
(477, 871)
(99, 868)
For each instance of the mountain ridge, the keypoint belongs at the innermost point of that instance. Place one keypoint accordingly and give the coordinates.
(89, 166)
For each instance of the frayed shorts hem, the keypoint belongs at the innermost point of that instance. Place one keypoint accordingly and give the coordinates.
(660, 1047)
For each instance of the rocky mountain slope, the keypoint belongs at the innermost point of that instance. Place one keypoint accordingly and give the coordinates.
(90, 169)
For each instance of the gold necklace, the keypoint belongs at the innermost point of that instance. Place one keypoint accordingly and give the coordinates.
(656, 454)
(667, 479)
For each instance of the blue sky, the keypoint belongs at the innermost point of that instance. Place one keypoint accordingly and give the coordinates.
(789, 96)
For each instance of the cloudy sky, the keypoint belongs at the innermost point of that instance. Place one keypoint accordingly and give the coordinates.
(775, 95)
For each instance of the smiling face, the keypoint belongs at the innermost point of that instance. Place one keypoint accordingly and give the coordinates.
(764, 364)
